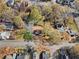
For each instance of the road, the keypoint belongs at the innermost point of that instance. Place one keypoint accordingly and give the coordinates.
(16, 43)
(23, 44)
(64, 44)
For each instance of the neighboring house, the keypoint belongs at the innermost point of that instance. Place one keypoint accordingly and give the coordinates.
(37, 30)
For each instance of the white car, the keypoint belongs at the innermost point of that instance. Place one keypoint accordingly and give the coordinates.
(5, 35)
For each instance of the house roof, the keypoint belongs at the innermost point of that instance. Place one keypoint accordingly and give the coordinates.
(37, 28)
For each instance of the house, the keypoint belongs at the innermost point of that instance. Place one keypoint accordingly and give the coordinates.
(37, 30)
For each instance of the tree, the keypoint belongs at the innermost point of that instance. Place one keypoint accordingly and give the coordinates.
(18, 34)
(6, 12)
(9, 14)
(59, 11)
(75, 52)
(35, 15)
(76, 4)
(18, 22)
(3, 7)
(54, 35)
(2, 27)
(71, 23)
(27, 35)
(47, 11)
(55, 11)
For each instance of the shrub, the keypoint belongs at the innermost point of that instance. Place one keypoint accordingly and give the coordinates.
(27, 35)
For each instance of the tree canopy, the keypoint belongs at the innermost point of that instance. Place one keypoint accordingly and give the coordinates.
(27, 35)
(18, 21)
(35, 14)
(54, 35)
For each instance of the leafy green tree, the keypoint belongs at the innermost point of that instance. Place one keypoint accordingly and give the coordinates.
(27, 35)
(18, 34)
